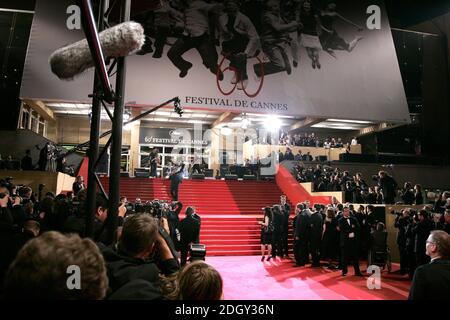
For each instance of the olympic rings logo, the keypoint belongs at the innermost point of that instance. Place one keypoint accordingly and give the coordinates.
(236, 74)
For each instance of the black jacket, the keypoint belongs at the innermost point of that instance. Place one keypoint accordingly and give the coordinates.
(123, 269)
(345, 229)
(421, 231)
(302, 226)
(316, 227)
(189, 230)
(401, 224)
(286, 209)
(431, 281)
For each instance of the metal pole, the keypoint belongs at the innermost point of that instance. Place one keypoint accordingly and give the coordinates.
(94, 139)
(91, 32)
(116, 147)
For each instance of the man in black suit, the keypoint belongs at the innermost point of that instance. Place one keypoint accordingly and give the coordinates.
(189, 232)
(26, 163)
(401, 223)
(349, 230)
(388, 187)
(78, 185)
(421, 231)
(302, 235)
(315, 235)
(432, 281)
(285, 210)
(175, 180)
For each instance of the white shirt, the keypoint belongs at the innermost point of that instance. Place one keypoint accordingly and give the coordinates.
(244, 27)
(354, 142)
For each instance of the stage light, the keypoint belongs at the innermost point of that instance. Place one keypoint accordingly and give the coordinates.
(272, 123)
(226, 131)
(126, 116)
(245, 122)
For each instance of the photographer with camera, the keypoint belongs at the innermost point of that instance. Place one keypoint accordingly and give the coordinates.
(401, 223)
(189, 232)
(141, 255)
(421, 231)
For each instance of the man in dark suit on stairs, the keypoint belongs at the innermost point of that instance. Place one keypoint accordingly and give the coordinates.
(432, 281)
(189, 232)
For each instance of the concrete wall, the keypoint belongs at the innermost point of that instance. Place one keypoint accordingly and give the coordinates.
(76, 130)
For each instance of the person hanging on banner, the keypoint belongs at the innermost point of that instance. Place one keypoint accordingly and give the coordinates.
(275, 38)
(196, 35)
(309, 36)
(239, 39)
(329, 38)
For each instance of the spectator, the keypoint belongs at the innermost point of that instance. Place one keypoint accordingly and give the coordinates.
(26, 163)
(401, 223)
(330, 240)
(421, 231)
(41, 270)
(298, 156)
(418, 197)
(78, 185)
(447, 221)
(407, 194)
(288, 156)
(388, 186)
(432, 281)
(199, 281)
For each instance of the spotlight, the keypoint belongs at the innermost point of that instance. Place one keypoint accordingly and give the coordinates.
(245, 122)
(126, 116)
(272, 123)
(226, 131)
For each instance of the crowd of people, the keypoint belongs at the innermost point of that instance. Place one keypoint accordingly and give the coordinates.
(384, 189)
(311, 140)
(341, 234)
(42, 235)
(51, 159)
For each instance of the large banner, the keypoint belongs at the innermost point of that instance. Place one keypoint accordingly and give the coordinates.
(302, 58)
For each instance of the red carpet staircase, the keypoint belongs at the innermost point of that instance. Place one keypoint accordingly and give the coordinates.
(230, 210)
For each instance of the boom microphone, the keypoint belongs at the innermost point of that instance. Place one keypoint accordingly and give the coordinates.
(118, 41)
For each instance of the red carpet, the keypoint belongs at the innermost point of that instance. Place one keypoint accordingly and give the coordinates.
(247, 278)
(230, 210)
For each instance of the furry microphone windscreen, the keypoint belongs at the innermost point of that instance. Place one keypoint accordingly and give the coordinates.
(118, 41)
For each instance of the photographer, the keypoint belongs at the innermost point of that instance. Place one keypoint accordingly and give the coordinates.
(174, 220)
(407, 194)
(401, 223)
(189, 232)
(388, 186)
(421, 232)
(142, 253)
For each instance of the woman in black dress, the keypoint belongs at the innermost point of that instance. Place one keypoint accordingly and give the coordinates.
(330, 240)
(266, 234)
